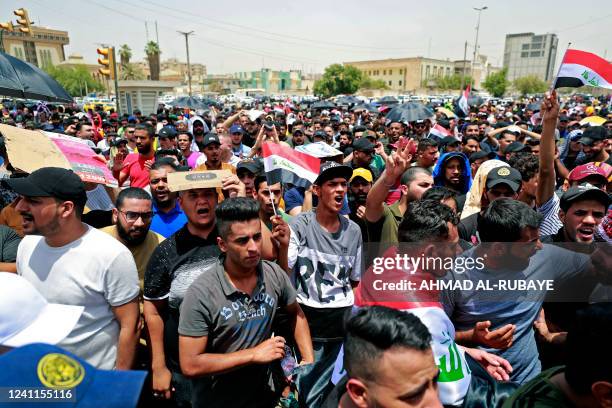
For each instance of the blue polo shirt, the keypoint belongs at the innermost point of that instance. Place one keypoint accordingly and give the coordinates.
(166, 224)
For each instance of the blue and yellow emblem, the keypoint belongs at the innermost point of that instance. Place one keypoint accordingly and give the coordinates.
(60, 371)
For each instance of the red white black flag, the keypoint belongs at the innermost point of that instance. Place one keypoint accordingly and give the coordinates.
(580, 68)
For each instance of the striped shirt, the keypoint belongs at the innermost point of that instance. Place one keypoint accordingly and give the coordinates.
(551, 223)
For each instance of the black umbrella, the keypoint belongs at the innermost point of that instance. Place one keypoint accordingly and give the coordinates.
(409, 112)
(23, 80)
(348, 100)
(190, 102)
(323, 105)
(388, 100)
(535, 106)
(475, 100)
(365, 106)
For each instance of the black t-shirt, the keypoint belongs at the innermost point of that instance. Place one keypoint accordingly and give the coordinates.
(468, 228)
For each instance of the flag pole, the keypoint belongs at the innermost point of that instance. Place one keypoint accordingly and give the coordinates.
(272, 200)
(552, 85)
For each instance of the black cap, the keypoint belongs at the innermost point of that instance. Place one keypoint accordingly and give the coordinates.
(563, 118)
(584, 192)
(330, 170)
(363, 145)
(516, 147)
(593, 134)
(50, 182)
(481, 155)
(166, 133)
(449, 141)
(117, 141)
(211, 138)
(297, 130)
(320, 133)
(504, 175)
(255, 166)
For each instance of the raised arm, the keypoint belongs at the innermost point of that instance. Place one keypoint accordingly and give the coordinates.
(546, 172)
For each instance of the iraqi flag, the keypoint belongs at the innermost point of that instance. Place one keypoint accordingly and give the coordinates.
(463, 101)
(283, 164)
(439, 132)
(580, 68)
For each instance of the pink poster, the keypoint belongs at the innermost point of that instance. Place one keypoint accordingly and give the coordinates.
(83, 160)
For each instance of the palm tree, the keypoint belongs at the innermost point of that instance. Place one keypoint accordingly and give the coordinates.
(125, 53)
(131, 72)
(152, 51)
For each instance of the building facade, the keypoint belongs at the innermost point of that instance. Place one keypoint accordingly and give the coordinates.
(271, 81)
(174, 70)
(406, 74)
(530, 54)
(479, 71)
(44, 47)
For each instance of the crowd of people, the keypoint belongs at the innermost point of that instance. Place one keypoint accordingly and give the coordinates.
(259, 294)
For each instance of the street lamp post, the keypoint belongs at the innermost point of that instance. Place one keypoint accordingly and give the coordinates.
(479, 10)
(187, 34)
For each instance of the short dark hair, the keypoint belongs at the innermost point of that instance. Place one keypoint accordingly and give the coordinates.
(185, 133)
(261, 179)
(376, 329)
(233, 210)
(440, 193)
(587, 342)
(164, 161)
(131, 192)
(148, 128)
(410, 174)
(504, 220)
(471, 137)
(527, 164)
(425, 220)
(426, 143)
(161, 153)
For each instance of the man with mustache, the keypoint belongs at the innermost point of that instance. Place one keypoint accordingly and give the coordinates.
(135, 166)
(168, 216)
(132, 219)
(360, 185)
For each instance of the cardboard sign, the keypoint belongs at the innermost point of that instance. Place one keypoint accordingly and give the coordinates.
(188, 180)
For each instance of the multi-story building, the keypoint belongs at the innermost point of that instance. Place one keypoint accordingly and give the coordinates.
(530, 54)
(479, 71)
(272, 82)
(44, 47)
(406, 74)
(175, 71)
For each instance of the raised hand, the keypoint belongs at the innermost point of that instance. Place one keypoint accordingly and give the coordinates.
(500, 339)
(549, 110)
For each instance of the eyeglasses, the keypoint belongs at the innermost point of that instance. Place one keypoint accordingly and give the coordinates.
(132, 216)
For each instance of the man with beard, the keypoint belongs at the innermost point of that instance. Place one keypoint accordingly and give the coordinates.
(360, 185)
(168, 217)
(135, 166)
(211, 147)
(132, 219)
(345, 139)
(363, 156)
(593, 141)
(72, 263)
(198, 131)
(393, 132)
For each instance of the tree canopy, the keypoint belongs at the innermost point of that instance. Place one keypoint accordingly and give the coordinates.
(496, 83)
(77, 81)
(530, 85)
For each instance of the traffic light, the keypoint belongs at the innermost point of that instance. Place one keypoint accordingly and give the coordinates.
(107, 61)
(23, 21)
(8, 26)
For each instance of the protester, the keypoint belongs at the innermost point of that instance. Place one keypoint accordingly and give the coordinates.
(168, 217)
(71, 263)
(360, 185)
(184, 142)
(135, 167)
(238, 287)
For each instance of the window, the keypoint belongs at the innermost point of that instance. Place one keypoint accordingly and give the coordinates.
(534, 54)
(390, 72)
(536, 46)
(400, 83)
(390, 83)
(384, 72)
(524, 54)
(525, 46)
(427, 68)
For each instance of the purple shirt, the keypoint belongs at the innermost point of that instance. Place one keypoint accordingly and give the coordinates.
(193, 157)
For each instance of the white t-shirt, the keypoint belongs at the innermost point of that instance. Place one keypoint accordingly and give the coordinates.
(97, 272)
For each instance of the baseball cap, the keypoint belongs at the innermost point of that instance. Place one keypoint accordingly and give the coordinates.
(516, 147)
(118, 141)
(298, 130)
(166, 133)
(330, 170)
(586, 170)
(236, 129)
(584, 192)
(363, 145)
(26, 316)
(319, 133)
(211, 138)
(45, 366)
(504, 175)
(481, 155)
(449, 141)
(255, 166)
(593, 134)
(50, 182)
(363, 173)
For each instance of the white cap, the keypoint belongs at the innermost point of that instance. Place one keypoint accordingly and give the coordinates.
(26, 316)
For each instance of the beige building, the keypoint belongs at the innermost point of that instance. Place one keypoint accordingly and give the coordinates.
(44, 47)
(482, 69)
(77, 59)
(175, 71)
(406, 74)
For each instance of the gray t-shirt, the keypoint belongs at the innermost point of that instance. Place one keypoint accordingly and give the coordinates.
(232, 321)
(521, 308)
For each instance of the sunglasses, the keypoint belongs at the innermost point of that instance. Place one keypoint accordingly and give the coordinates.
(132, 216)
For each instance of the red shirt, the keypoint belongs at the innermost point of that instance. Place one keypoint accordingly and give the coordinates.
(136, 170)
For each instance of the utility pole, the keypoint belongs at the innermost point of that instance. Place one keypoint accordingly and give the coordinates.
(187, 34)
(479, 10)
(147, 30)
(156, 34)
(464, 62)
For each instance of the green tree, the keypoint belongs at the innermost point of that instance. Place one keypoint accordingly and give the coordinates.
(369, 83)
(131, 71)
(452, 82)
(496, 83)
(338, 79)
(530, 85)
(77, 81)
(125, 53)
(152, 50)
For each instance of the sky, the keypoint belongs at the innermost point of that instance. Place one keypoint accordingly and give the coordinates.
(242, 35)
